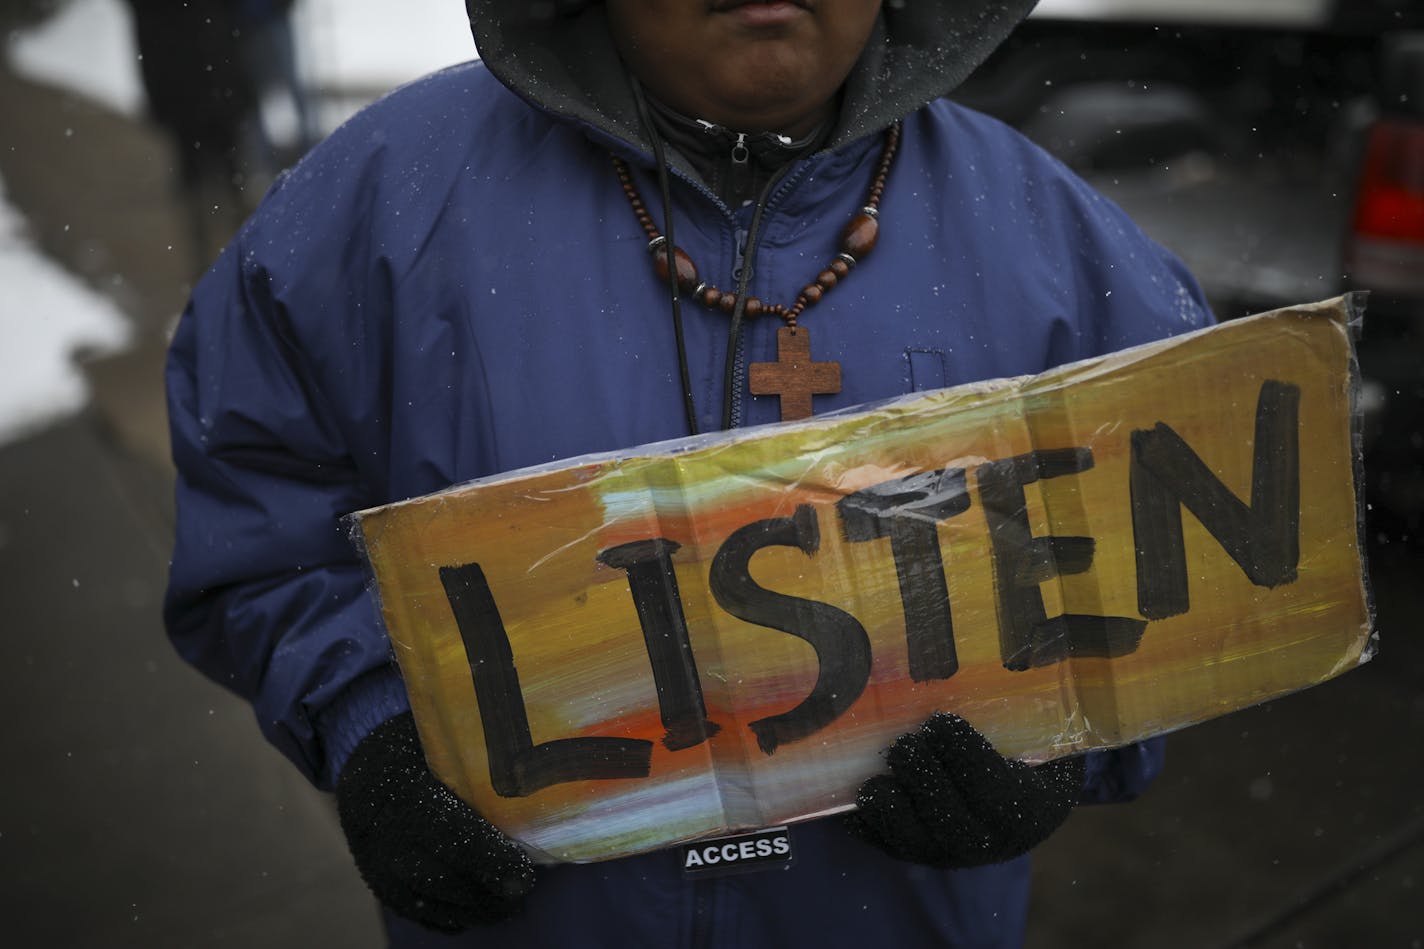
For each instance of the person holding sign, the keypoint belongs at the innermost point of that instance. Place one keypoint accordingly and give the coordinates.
(634, 220)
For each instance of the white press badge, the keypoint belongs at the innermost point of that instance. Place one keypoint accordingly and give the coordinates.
(745, 853)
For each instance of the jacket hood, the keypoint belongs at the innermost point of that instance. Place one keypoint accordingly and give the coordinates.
(559, 56)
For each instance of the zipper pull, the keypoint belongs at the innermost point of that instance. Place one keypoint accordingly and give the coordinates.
(741, 166)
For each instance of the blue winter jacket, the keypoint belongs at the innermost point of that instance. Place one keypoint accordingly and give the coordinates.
(453, 285)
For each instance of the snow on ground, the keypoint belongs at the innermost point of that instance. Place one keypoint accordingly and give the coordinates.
(48, 316)
(377, 44)
(87, 48)
(349, 49)
(365, 46)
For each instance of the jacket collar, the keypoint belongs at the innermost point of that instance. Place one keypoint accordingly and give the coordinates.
(735, 165)
(560, 57)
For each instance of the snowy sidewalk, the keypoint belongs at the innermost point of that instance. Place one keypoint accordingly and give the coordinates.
(140, 807)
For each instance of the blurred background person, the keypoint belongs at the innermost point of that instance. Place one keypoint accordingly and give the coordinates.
(206, 70)
(286, 120)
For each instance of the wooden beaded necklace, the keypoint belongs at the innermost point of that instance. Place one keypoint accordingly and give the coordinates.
(794, 378)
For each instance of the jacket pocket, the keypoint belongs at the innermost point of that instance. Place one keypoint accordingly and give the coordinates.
(927, 369)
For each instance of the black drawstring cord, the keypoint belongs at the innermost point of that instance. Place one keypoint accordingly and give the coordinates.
(664, 185)
(748, 251)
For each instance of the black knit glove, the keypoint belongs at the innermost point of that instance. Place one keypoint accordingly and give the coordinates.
(424, 852)
(951, 800)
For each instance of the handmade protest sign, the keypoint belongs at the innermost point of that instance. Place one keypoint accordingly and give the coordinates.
(620, 652)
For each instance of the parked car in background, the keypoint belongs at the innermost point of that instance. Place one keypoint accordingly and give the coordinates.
(1277, 146)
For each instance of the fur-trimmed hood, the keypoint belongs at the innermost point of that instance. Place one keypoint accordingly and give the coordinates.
(558, 55)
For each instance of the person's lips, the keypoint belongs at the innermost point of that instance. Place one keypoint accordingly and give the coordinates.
(720, 6)
(763, 14)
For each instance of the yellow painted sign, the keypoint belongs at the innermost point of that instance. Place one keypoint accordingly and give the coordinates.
(621, 652)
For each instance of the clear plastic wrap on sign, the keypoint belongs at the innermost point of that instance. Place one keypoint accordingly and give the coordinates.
(620, 652)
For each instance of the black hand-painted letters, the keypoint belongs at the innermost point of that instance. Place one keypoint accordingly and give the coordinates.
(654, 586)
(1165, 475)
(841, 644)
(1263, 538)
(518, 767)
(909, 511)
(1028, 639)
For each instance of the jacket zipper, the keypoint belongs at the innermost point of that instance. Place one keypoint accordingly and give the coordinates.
(780, 183)
(777, 186)
(739, 369)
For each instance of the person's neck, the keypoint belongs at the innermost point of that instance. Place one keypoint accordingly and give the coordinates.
(735, 165)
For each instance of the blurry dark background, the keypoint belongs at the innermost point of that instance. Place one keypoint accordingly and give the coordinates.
(1278, 152)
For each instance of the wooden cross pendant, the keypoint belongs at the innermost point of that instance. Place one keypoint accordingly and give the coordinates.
(794, 377)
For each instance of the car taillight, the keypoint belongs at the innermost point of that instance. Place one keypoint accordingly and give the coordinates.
(1386, 246)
